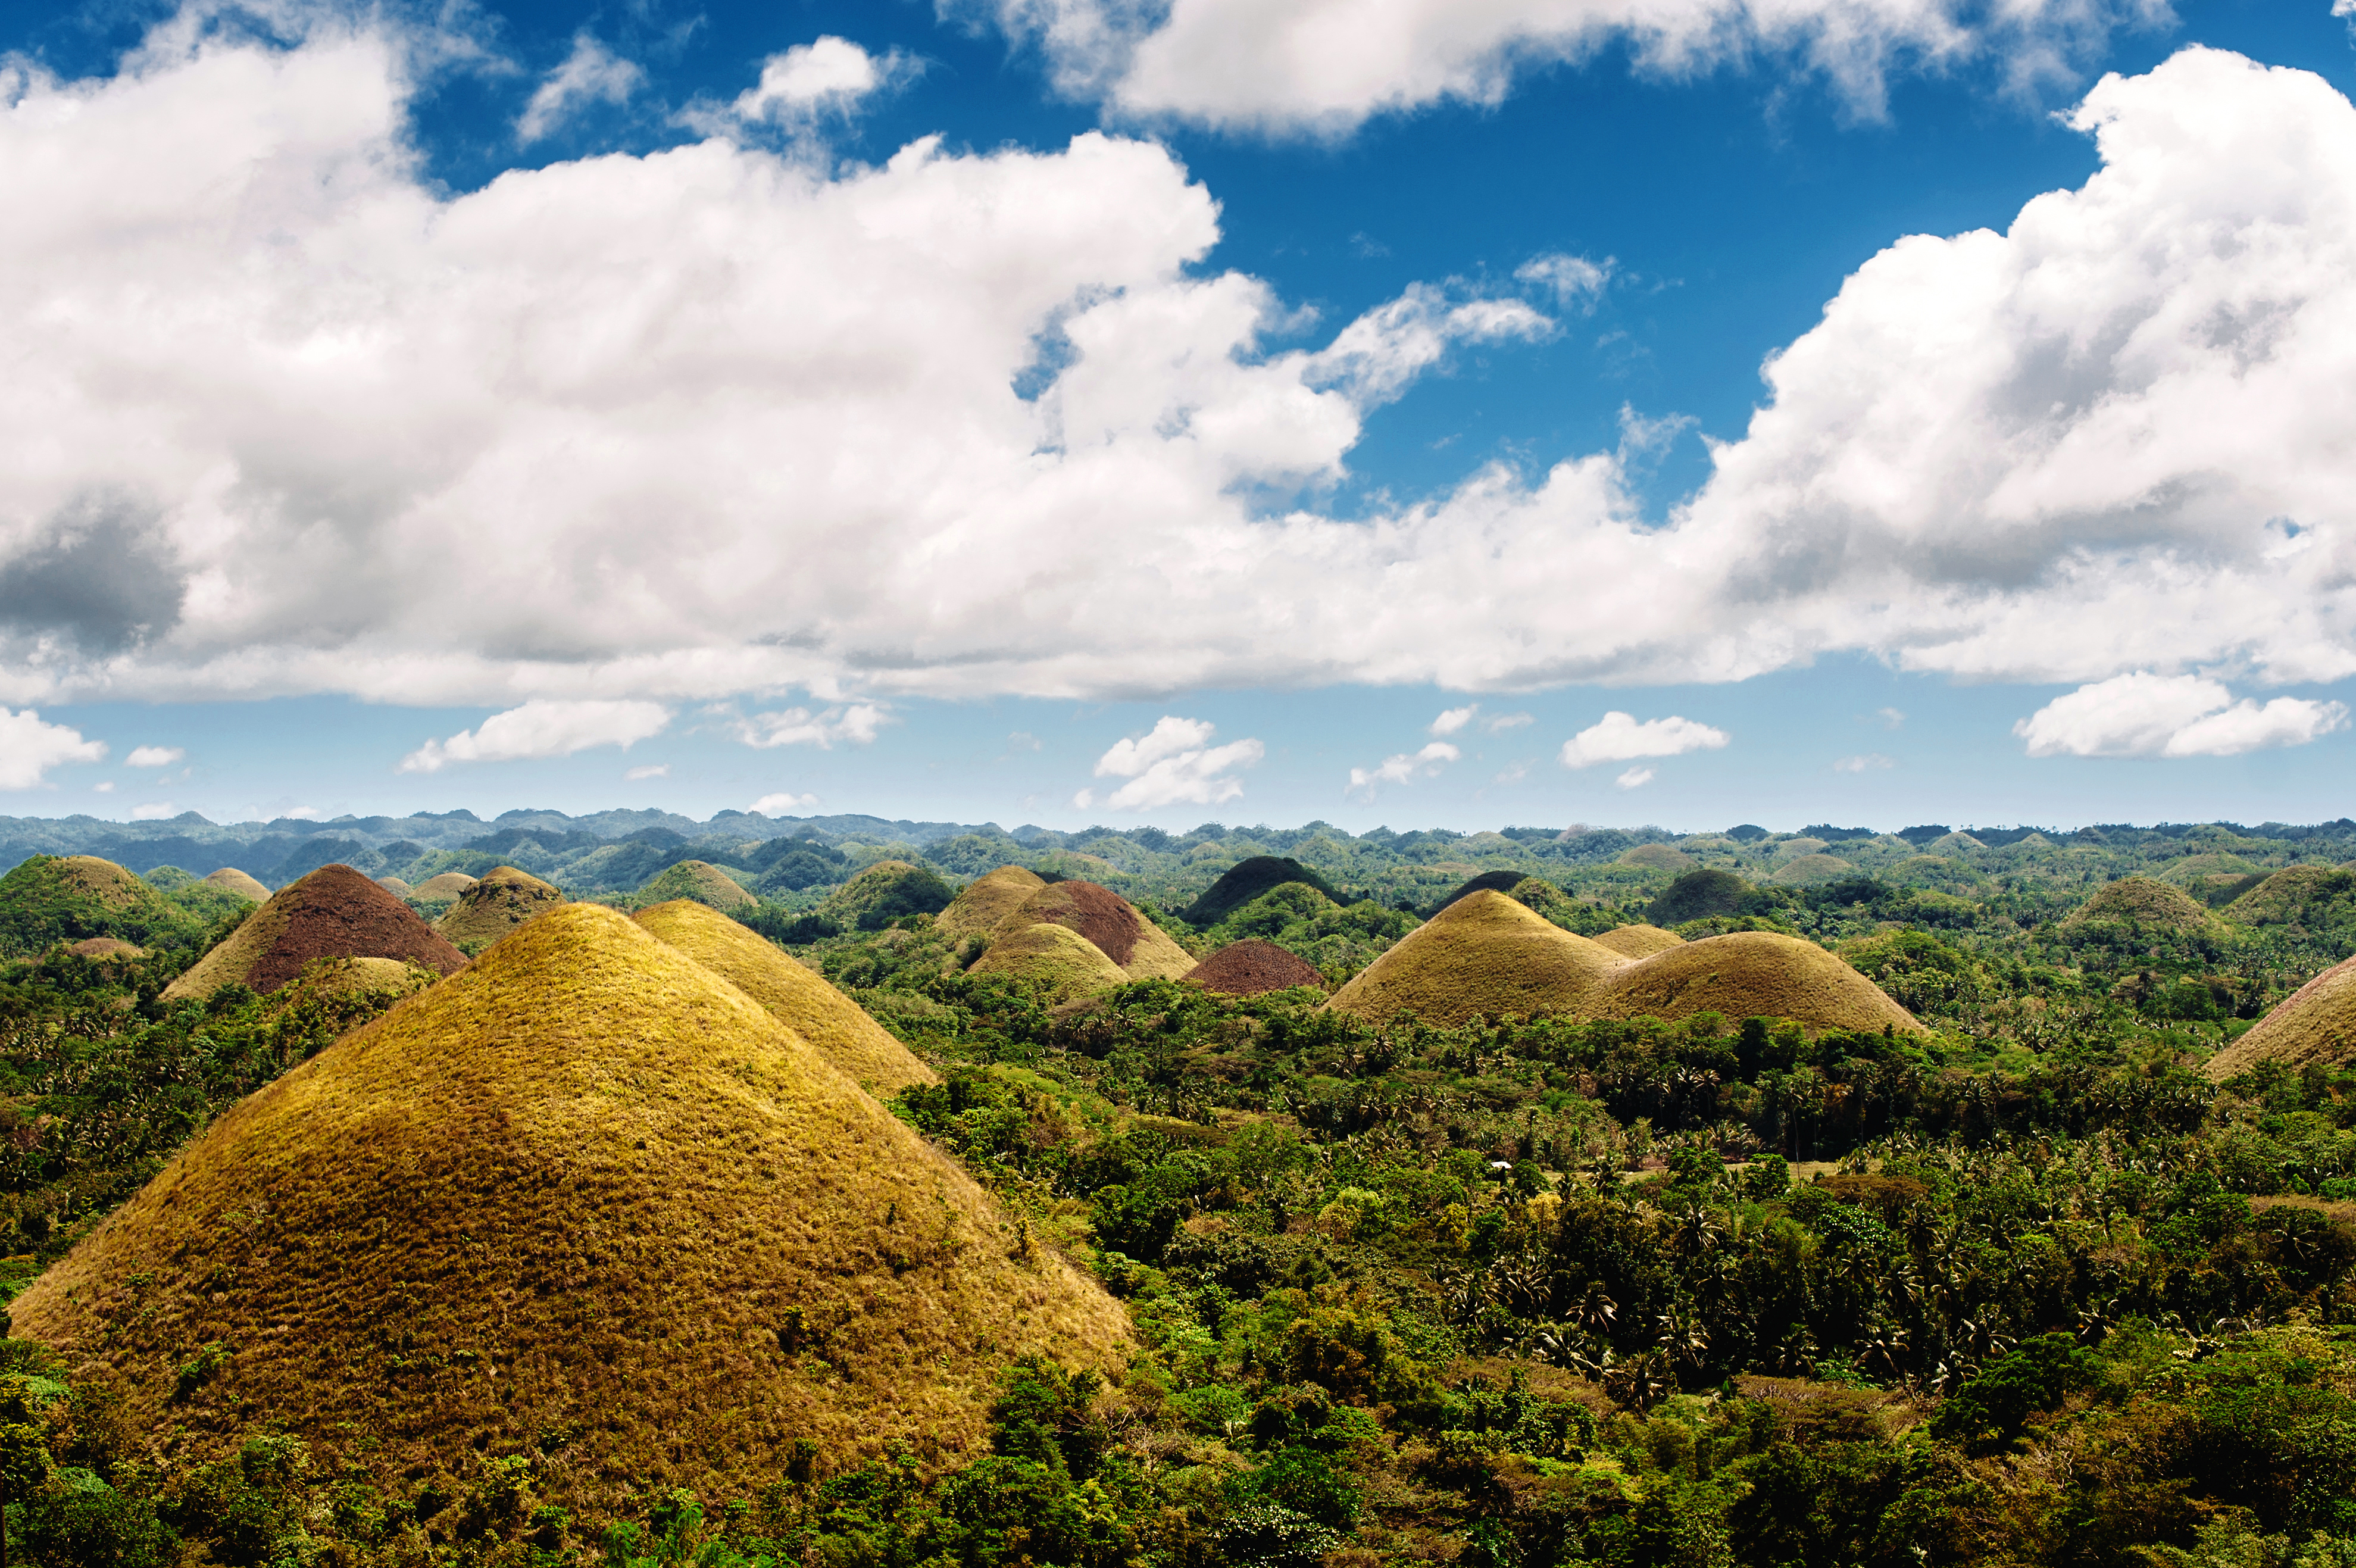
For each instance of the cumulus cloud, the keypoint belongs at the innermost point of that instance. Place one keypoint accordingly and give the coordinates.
(831, 75)
(1619, 737)
(154, 812)
(31, 746)
(1452, 720)
(651, 770)
(1575, 282)
(1172, 764)
(155, 755)
(856, 724)
(1327, 65)
(1402, 768)
(1634, 779)
(783, 804)
(2144, 714)
(590, 74)
(542, 728)
(577, 435)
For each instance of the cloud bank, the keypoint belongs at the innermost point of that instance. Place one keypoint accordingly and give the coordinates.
(2142, 715)
(540, 729)
(580, 435)
(31, 746)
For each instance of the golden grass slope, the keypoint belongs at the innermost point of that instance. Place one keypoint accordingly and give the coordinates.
(1064, 963)
(2297, 894)
(2316, 1024)
(228, 878)
(102, 882)
(335, 912)
(1638, 940)
(699, 880)
(2144, 902)
(983, 902)
(1751, 974)
(448, 885)
(1484, 954)
(798, 996)
(1110, 923)
(1802, 870)
(498, 902)
(586, 1187)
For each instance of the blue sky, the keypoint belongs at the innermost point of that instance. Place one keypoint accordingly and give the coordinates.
(1330, 415)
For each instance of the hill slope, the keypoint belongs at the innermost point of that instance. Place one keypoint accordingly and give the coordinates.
(335, 912)
(1482, 954)
(1142, 950)
(1639, 941)
(699, 880)
(54, 898)
(2144, 903)
(798, 996)
(986, 900)
(1247, 880)
(2316, 1024)
(229, 879)
(500, 901)
(1752, 974)
(588, 1189)
(1251, 967)
(1065, 963)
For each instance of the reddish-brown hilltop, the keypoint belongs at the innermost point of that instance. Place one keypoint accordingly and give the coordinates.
(1251, 967)
(335, 912)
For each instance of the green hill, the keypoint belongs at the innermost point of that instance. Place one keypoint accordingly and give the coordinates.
(50, 899)
(699, 880)
(1484, 955)
(1247, 880)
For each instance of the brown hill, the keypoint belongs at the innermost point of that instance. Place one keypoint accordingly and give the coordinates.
(1064, 963)
(797, 996)
(228, 878)
(1482, 955)
(335, 912)
(498, 902)
(585, 1188)
(1751, 974)
(106, 948)
(986, 900)
(1639, 941)
(2316, 1024)
(1251, 967)
(1140, 949)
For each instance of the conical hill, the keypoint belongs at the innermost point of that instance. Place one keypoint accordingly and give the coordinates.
(446, 884)
(1138, 948)
(229, 879)
(1639, 941)
(699, 880)
(1064, 963)
(1252, 967)
(335, 912)
(986, 900)
(2316, 1024)
(798, 996)
(1751, 974)
(48, 898)
(2141, 903)
(1484, 954)
(585, 1201)
(493, 906)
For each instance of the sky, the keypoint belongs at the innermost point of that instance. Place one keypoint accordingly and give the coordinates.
(1400, 411)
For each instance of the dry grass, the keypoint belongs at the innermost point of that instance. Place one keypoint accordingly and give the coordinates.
(699, 880)
(391, 978)
(496, 904)
(1482, 955)
(2316, 1023)
(1639, 941)
(335, 912)
(105, 948)
(1751, 974)
(2141, 901)
(1110, 923)
(396, 886)
(1658, 857)
(986, 900)
(585, 1198)
(2293, 895)
(1069, 965)
(1252, 968)
(1801, 870)
(230, 879)
(798, 996)
(448, 885)
(102, 882)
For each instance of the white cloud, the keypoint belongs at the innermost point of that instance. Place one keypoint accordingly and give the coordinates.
(651, 770)
(154, 812)
(590, 74)
(304, 813)
(783, 804)
(1403, 767)
(1172, 762)
(103, 787)
(514, 423)
(1326, 65)
(1634, 779)
(1864, 763)
(1891, 717)
(1575, 282)
(1513, 773)
(1500, 723)
(31, 746)
(542, 728)
(831, 75)
(2143, 715)
(1618, 737)
(855, 723)
(154, 756)
(1453, 719)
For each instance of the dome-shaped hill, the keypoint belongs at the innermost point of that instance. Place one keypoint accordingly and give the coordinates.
(1805, 870)
(586, 1186)
(1487, 881)
(887, 891)
(699, 880)
(798, 996)
(446, 884)
(1952, 843)
(52, 898)
(335, 912)
(396, 886)
(498, 902)
(1639, 941)
(1247, 880)
(2192, 870)
(1791, 847)
(1137, 947)
(1067, 964)
(104, 947)
(2142, 902)
(229, 879)
(1483, 955)
(1751, 974)
(986, 900)
(1658, 857)
(1698, 895)
(2298, 895)
(1251, 967)
(2315, 1024)
(168, 878)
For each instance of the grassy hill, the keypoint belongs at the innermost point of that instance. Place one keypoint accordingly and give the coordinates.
(1751, 974)
(1484, 954)
(334, 912)
(1135, 945)
(983, 903)
(703, 882)
(493, 906)
(66, 899)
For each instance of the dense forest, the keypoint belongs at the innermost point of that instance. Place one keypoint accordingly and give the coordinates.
(2031, 1287)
